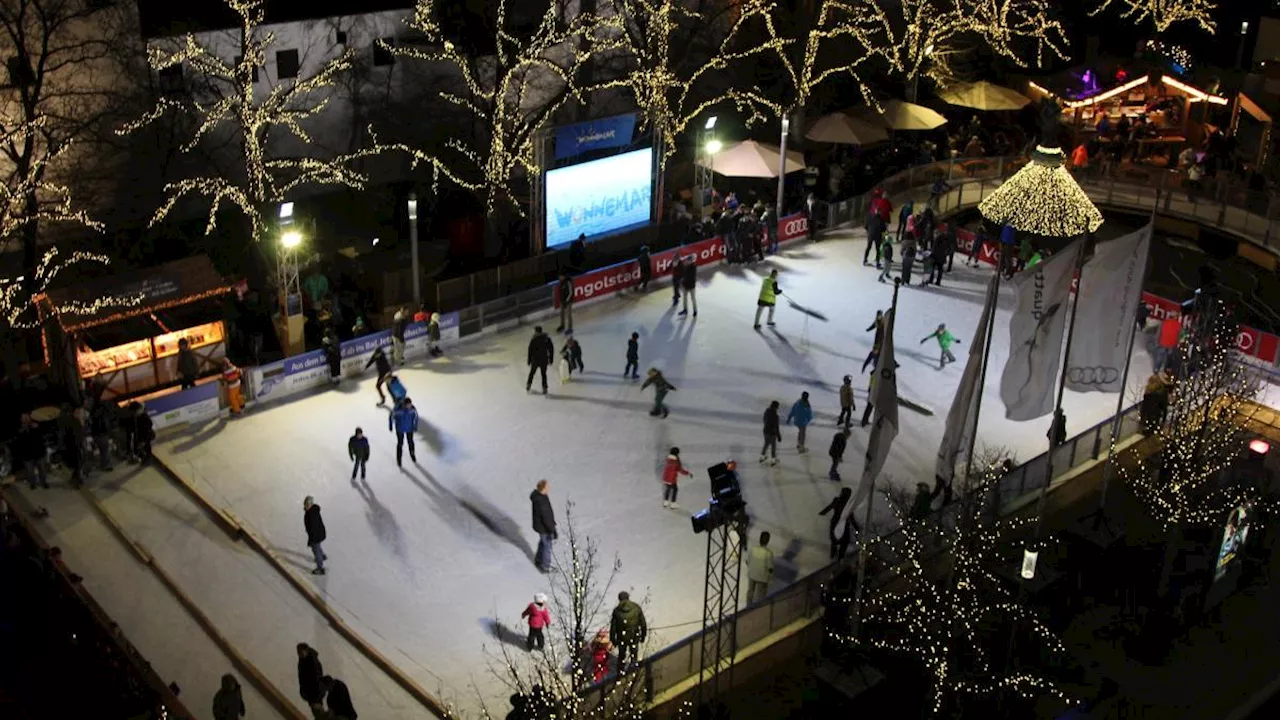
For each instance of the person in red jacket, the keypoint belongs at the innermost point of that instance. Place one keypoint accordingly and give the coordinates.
(539, 618)
(1167, 345)
(671, 473)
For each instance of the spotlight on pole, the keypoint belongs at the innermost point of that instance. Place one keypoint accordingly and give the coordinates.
(711, 123)
(726, 499)
(713, 147)
(291, 239)
(286, 211)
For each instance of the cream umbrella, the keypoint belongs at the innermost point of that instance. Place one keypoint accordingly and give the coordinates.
(985, 96)
(751, 159)
(902, 115)
(847, 130)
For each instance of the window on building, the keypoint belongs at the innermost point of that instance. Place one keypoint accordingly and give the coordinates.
(340, 37)
(240, 59)
(171, 79)
(287, 64)
(382, 56)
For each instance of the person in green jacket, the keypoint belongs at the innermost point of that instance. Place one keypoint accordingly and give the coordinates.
(769, 292)
(945, 340)
(1025, 251)
(886, 255)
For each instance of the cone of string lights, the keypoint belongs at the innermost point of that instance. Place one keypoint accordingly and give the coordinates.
(1043, 198)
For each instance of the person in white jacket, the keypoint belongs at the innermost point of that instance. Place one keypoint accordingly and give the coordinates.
(759, 570)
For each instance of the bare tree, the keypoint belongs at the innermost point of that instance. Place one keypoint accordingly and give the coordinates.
(1163, 14)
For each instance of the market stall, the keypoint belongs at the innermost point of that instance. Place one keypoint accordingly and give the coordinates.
(127, 351)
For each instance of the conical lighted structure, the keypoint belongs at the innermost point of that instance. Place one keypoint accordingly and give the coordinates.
(1042, 198)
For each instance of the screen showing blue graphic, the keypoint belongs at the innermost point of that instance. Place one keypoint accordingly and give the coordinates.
(600, 196)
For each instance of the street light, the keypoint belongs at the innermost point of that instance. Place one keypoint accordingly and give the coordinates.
(711, 123)
(286, 211)
(413, 249)
(782, 164)
(291, 239)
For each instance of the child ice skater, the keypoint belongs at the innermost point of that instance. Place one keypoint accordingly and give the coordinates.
(945, 340)
(539, 618)
(671, 473)
(632, 369)
(886, 256)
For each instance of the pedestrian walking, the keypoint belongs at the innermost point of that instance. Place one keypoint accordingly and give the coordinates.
(875, 227)
(565, 290)
(313, 523)
(945, 340)
(433, 335)
(228, 702)
(768, 298)
(922, 505)
(144, 432)
(338, 698)
(874, 356)
(333, 356)
(835, 509)
(838, 444)
(71, 436)
(541, 351)
(1155, 404)
(677, 275)
(759, 569)
(671, 473)
(379, 358)
(645, 264)
(632, 369)
(689, 283)
(544, 524)
(399, 326)
(539, 617)
(310, 674)
(847, 406)
(403, 421)
(660, 389)
(801, 414)
(772, 434)
(358, 451)
(188, 366)
(102, 420)
(628, 630)
(30, 451)
(231, 381)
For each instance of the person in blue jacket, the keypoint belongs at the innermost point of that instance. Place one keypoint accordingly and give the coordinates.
(404, 421)
(801, 414)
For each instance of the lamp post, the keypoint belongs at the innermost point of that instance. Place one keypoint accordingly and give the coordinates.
(782, 164)
(712, 147)
(413, 249)
(287, 279)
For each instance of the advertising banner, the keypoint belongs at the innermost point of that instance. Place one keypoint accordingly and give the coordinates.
(610, 132)
(597, 197)
(1110, 290)
(616, 278)
(192, 405)
(1035, 336)
(793, 227)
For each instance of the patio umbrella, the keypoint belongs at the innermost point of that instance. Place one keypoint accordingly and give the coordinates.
(985, 96)
(847, 130)
(902, 115)
(751, 159)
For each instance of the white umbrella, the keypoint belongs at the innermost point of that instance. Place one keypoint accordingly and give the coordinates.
(902, 115)
(985, 96)
(751, 159)
(845, 129)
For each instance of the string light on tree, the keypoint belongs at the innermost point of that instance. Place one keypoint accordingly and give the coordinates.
(1165, 13)
(1042, 198)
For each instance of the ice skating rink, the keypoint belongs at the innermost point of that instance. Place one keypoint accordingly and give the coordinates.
(423, 560)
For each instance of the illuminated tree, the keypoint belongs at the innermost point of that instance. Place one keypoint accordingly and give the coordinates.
(1165, 13)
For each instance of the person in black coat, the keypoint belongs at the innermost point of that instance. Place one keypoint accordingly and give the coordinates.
(333, 356)
(772, 434)
(633, 357)
(541, 353)
(578, 253)
(101, 420)
(310, 674)
(677, 275)
(338, 698)
(358, 451)
(838, 444)
(314, 525)
(380, 359)
(645, 265)
(565, 290)
(836, 508)
(29, 451)
(143, 434)
(690, 284)
(544, 523)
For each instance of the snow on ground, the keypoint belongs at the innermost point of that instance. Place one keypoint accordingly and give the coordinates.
(425, 558)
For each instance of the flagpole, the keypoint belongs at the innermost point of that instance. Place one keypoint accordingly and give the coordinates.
(871, 497)
(982, 378)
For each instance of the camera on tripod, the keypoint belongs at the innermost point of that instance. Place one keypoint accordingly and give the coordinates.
(726, 499)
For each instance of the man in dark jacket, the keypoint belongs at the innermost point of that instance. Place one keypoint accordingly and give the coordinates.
(188, 365)
(838, 444)
(875, 233)
(358, 451)
(677, 274)
(333, 356)
(772, 434)
(690, 284)
(874, 356)
(29, 450)
(379, 358)
(645, 265)
(310, 673)
(314, 525)
(836, 509)
(544, 523)
(565, 290)
(338, 698)
(102, 419)
(541, 353)
(627, 629)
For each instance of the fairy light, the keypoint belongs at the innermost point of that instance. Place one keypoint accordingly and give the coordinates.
(1165, 13)
(1176, 53)
(941, 619)
(1043, 199)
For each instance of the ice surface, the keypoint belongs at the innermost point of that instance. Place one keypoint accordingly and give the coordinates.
(425, 558)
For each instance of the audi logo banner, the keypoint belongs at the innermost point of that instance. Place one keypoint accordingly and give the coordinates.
(792, 227)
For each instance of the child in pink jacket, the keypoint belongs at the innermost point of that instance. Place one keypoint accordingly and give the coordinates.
(670, 474)
(539, 618)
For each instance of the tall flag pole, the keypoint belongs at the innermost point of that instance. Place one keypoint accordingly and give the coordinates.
(962, 421)
(884, 400)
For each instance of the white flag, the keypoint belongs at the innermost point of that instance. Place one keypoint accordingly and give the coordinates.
(1035, 336)
(884, 399)
(962, 420)
(1109, 293)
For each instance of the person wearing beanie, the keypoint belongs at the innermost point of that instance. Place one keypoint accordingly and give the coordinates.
(539, 617)
(671, 473)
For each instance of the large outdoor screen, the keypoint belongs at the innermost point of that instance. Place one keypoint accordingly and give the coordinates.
(597, 197)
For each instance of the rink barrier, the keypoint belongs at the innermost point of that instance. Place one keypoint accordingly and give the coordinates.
(239, 531)
(242, 664)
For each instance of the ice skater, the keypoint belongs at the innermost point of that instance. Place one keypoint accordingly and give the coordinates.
(404, 422)
(768, 298)
(690, 285)
(847, 406)
(310, 674)
(945, 340)
(886, 252)
(772, 434)
(433, 335)
(660, 389)
(539, 617)
(358, 452)
(835, 509)
(878, 325)
(801, 414)
(540, 354)
(632, 369)
(313, 523)
(677, 274)
(565, 290)
(383, 364)
(544, 524)
(571, 354)
(875, 227)
(838, 444)
(645, 264)
(671, 473)
(333, 356)
(909, 246)
(399, 325)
